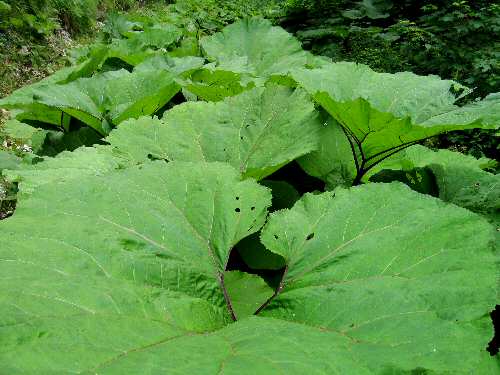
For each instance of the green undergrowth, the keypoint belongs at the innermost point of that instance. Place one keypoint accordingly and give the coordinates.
(213, 199)
(35, 36)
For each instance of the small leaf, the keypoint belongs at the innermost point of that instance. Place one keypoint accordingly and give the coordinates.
(247, 292)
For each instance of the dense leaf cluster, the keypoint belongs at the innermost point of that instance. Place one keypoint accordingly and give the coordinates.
(178, 242)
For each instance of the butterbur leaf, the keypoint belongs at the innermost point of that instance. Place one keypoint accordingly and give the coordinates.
(101, 101)
(421, 156)
(139, 46)
(215, 84)
(86, 161)
(117, 25)
(256, 132)
(254, 46)
(139, 94)
(382, 113)
(157, 36)
(96, 284)
(150, 227)
(460, 178)
(366, 261)
(129, 257)
(93, 299)
(26, 98)
(97, 55)
(247, 292)
(332, 161)
(149, 343)
(179, 66)
(418, 179)
(72, 321)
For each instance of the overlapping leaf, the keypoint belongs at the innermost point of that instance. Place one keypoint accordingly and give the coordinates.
(249, 51)
(382, 113)
(216, 84)
(365, 262)
(254, 46)
(179, 66)
(94, 285)
(113, 262)
(8, 160)
(100, 101)
(86, 161)
(153, 220)
(138, 43)
(460, 178)
(257, 132)
(332, 161)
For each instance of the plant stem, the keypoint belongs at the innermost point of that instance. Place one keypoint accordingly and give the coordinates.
(226, 297)
(276, 292)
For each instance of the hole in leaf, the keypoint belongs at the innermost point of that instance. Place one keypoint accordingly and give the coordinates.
(237, 209)
(252, 208)
(237, 198)
(275, 236)
(153, 157)
(310, 236)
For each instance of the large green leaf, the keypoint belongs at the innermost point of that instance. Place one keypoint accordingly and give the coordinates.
(366, 262)
(255, 47)
(120, 273)
(104, 99)
(159, 35)
(138, 46)
(214, 84)
(257, 131)
(85, 161)
(155, 219)
(460, 178)
(44, 142)
(382, 113)
(25, 98)
(332, 161)
(178, 66)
